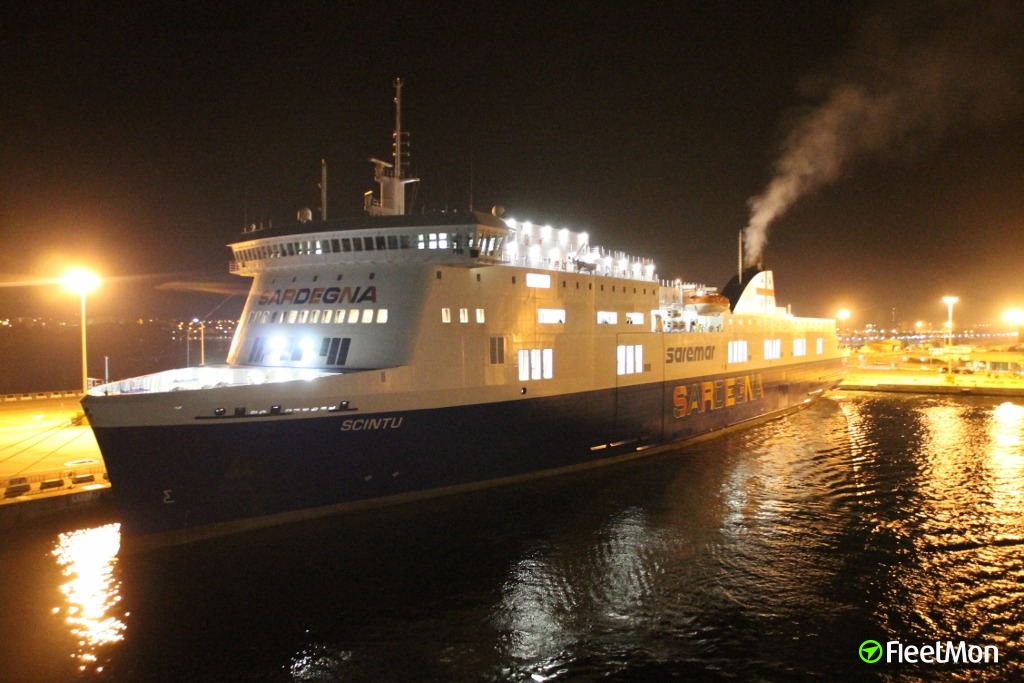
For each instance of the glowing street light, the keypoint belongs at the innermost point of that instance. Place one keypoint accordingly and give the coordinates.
(82, 281)
(949, 301)
(1015, 317)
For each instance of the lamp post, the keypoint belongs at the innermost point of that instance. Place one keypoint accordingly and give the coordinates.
(202, 339)
(81, 282)
(843, 316)
(949, 301)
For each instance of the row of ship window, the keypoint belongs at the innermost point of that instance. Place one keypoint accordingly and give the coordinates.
(540, 363)
(380, 315)
(316, 316)
(739, 353)
(548, 316)
(427, 240)
(629, 358)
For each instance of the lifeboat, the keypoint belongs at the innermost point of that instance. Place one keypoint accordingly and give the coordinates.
(706, 304)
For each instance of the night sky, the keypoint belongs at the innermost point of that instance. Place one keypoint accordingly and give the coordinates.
(140, 140)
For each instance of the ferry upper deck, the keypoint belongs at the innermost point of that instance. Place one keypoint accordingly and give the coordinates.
(470, 239)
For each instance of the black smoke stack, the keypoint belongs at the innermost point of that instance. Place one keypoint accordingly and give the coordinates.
(734, 288)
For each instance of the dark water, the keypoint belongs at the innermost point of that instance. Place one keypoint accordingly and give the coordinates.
(770, 554)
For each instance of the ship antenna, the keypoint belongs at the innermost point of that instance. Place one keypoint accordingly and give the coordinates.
(739, 260)
(323, 190)
(391, 177)
(398, 129)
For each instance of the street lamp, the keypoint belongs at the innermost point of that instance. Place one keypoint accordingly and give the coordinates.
(81, 282)
(949, 301)
(202, 338)
(1015, 317)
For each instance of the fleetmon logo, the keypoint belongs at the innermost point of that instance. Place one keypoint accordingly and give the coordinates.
(870, 651)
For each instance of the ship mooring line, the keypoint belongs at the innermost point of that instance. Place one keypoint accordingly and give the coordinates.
(47, 455)
(48, 433)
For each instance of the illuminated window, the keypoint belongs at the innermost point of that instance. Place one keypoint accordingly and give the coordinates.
(353, 315)
(446, 315)
(327, 316)
(634, 318)
(821, 345)
(303, 316)
(629, 358)
(536, 364)
(539, 280)
(368, 315)
(738, 351)
(339, 317)
(772, 349)
(550, 316)
(480, 315)
(292, 316)
(463, 315)
(382, 315)
(800, 347)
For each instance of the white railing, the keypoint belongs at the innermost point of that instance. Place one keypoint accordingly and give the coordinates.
(204, 377)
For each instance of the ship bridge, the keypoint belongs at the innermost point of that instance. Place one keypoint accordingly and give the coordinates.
(469, 239)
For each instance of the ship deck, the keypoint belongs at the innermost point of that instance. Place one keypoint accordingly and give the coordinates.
(206, 377)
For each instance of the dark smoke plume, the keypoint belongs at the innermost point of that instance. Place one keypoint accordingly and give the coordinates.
(919, 71)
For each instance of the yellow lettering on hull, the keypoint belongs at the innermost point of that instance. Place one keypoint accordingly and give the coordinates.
(702, 397)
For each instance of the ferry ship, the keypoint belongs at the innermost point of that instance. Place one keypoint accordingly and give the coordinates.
(390, 357)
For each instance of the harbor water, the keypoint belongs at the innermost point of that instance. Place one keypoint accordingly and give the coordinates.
(768, 554)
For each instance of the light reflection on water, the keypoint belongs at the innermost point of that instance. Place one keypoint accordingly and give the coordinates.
(767, 554)
(952, 522)
(1006, 461)
(91, 593)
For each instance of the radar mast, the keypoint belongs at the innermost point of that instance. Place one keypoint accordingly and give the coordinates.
(391, 176)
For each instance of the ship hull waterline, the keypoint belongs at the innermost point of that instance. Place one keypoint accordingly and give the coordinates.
(182, 483)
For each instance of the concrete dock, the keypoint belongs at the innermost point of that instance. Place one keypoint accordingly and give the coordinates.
(928, 381)
(49, 460)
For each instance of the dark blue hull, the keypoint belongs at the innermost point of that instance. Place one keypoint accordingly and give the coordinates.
(217, 476)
